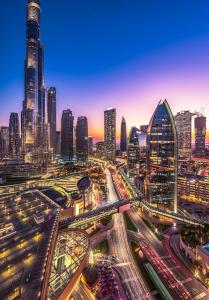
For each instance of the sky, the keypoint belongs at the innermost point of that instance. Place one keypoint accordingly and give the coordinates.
(126, 54)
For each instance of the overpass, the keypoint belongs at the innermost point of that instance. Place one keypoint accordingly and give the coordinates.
(147, 206)
(108, 210)
(136, 201)
(96, 214)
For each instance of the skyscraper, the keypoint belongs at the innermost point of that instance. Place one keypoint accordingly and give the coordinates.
(4, 142)
(100, 149)
(82, 138)
(200, 134)
(67, 135)
(133, 152)
(183, 121)
(162, 159)
(34, 99)
(123, 136)
(110, 133)
(14, 136)
(51, 108)
(90, 145)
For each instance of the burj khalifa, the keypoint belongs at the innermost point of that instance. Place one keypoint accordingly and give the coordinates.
(34, 116)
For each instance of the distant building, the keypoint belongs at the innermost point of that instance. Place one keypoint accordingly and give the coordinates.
(143, 128)
(133, 152)
(4, 142)
(52, 114)
(110, 133)
(100, 150)
(123, 136)
(193, 187)
(200, 135)
(183, 121)
(82, 138)
(14, 136)
(90, 145)
(162, 153)
(67, 135)
(137, 147)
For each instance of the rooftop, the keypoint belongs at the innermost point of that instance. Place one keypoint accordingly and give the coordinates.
(24, 247)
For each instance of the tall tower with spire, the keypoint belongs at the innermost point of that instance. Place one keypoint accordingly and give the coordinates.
(33, 112)
(123, 136)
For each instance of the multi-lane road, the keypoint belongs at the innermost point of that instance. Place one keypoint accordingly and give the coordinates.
(180, 282)
(185, 279)
(132, 280)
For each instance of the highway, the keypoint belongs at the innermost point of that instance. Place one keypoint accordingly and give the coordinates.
(163, 254)
(132, 281)
(178, 279)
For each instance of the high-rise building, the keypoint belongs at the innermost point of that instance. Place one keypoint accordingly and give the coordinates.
(100, 149)
(123, 136)
(67, 134)
(52, 114)
(136, 154)
(110, 133)
(82, 138)
(33, 121)
(200, 135)
(90, 145)
(162, 159)
(183, 121)
(4, 142)
(14, 136)
(133, 152)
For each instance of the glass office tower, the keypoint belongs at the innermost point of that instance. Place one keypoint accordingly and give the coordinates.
(67, 131)
(161, 177)
(82, 138)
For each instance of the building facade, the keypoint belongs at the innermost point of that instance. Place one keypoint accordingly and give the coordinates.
(52, 115)
(14, 136)
(90, 146)
(33, 116)
(82, 138)
(67, 132)
(200, 135)
(110, 133)
(161, 179)
(193, 188)
(183, 121)
(123, 136)
(133, 152)
(4, 142)
(100, 150)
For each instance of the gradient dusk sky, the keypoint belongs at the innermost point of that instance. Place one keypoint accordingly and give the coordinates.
(126, 54)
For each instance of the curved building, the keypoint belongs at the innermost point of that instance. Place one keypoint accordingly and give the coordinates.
(162, 159)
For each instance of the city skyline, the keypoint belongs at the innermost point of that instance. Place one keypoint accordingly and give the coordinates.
(104, 156)
(152, 71)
